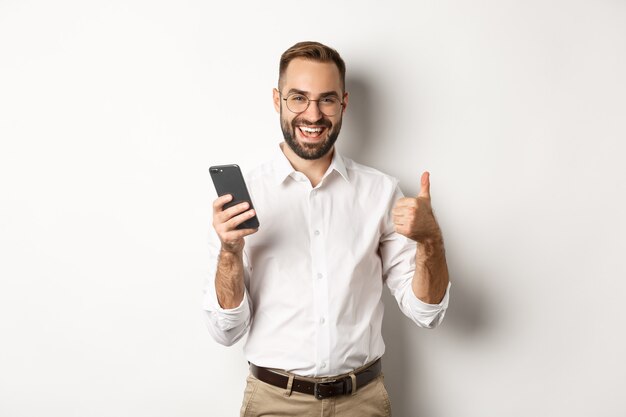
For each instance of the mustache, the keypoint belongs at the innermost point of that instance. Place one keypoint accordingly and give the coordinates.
(302, 122)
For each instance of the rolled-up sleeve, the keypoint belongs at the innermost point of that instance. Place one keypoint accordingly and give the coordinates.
(226, 326)
(398, 262)
(426, 315)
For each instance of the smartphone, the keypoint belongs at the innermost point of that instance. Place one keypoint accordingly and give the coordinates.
(227, 179)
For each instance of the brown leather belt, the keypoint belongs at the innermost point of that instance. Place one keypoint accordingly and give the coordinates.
(320, 390)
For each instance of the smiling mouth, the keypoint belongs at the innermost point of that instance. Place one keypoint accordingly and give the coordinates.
(311, 132)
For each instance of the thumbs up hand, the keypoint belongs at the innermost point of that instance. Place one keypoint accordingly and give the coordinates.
(413, 216)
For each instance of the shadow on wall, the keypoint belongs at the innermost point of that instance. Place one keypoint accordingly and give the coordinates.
(466, 318)
(356, 139)
(409, 348)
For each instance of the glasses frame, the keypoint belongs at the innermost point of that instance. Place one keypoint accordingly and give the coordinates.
(342, 103)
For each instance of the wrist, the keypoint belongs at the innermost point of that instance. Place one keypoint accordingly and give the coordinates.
(431, 236)
(433, 241)
(431, 246)
(224, 251)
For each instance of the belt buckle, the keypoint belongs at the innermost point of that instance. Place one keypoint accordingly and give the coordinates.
(318, 394)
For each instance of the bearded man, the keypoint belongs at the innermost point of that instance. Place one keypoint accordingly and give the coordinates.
(307, 285)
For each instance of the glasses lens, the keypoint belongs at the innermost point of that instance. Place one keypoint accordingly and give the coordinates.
(298, 103)
(330, 106)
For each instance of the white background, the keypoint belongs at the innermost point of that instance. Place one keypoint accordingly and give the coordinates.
(112, 111)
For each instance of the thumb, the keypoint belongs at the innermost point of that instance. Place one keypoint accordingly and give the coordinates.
(425, 187)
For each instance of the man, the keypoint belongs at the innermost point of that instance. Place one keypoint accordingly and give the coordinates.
(307, 285)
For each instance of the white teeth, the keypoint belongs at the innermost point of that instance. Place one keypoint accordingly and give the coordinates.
(311, 130)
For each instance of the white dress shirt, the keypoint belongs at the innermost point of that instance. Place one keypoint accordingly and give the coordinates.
(314, 271)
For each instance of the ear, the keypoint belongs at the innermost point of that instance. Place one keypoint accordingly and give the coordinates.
(345, 102)
(276, 98)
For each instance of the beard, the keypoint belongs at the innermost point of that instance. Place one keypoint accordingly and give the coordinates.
(309, 151)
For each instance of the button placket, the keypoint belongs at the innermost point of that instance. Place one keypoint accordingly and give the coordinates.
(320, 285)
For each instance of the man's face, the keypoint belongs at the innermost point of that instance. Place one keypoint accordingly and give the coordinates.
(310, 134)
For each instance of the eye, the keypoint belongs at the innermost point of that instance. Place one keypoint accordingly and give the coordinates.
(297, 98)
(329, 100)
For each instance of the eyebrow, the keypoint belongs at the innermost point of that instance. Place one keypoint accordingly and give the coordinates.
(306, 93)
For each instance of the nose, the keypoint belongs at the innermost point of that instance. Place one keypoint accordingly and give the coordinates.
(313, 112)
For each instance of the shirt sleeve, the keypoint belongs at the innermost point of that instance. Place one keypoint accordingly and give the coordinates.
(226, 326)
(398, 261)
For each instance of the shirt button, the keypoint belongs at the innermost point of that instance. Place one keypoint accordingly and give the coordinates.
(317, 233)
(322, 320)
(319, 276)
(323, 365)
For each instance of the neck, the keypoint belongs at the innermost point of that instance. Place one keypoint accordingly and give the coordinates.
(314, 169)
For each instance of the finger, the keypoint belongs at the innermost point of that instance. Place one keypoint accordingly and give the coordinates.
(402, 230)
(219, 202)
(237, 220)
(231, 212)
(425, 186)
(398, 221)
(401, 211)
(406, 202)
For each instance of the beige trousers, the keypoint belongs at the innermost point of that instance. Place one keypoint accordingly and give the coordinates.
(265, 400)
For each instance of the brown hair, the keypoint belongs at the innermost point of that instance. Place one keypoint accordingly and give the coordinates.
(313, 51)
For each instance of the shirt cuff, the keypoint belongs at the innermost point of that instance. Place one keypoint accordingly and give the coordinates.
(229, 318)
(429, 314)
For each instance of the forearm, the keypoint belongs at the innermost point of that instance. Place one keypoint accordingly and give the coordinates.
(430, 280)
(229, 284)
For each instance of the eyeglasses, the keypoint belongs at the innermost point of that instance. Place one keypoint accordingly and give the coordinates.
(298, 103)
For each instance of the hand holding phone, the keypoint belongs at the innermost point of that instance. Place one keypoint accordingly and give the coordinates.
(228, 179)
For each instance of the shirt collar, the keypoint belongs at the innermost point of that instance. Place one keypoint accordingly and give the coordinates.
(338, 165)
(283, 168)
